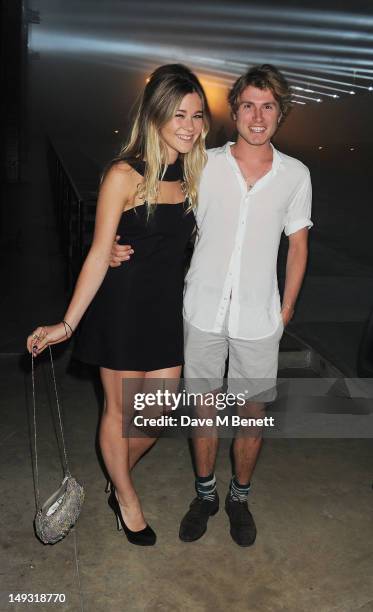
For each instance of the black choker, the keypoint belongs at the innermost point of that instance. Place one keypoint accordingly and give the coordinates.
(174, 171)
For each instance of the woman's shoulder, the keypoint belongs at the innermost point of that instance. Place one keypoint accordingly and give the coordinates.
(121, 167)
(121, 172)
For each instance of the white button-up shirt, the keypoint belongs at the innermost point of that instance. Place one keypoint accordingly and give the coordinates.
(239, 230)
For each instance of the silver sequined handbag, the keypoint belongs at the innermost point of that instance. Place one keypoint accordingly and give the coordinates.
(59, 513)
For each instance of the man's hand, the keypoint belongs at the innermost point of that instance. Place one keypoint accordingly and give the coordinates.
(287, 314)
(295, 268)
(119, 253)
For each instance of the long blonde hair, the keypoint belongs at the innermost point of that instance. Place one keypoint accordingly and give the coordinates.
(162, 95)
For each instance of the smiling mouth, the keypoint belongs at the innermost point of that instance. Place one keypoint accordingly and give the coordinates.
(257, 130)
(185, 138)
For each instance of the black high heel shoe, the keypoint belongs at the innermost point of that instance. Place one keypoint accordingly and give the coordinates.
(144, 537)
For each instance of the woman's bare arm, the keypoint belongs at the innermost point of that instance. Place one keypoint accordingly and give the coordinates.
(116, 190)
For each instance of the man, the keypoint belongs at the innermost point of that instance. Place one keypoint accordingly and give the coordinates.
(249, 194)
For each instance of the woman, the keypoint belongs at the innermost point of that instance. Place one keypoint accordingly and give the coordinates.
(133, 328)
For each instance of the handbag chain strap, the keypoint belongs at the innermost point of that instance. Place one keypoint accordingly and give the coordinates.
(65, 464)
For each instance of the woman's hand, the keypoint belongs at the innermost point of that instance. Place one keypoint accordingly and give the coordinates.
(45, 335)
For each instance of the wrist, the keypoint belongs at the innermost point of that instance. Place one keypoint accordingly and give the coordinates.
(287, 307)
(68, 329)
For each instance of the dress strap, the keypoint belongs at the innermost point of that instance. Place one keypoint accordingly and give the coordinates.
(174, 171)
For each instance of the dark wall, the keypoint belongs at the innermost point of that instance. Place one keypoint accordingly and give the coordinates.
(341, 170)
(13, 35)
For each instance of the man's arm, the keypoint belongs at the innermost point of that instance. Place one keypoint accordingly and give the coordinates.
(119, 253)
(295, 268)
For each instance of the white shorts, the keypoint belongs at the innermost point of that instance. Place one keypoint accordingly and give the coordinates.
(252, 366)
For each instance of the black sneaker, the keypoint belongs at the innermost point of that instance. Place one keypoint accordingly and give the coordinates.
(243, 530)
(194, 523)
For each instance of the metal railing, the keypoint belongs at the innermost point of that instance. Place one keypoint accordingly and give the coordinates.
(74, 183)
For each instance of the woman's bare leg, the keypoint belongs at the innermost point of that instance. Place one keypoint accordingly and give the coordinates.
(121, 453)
(139, 446)
(114, 446)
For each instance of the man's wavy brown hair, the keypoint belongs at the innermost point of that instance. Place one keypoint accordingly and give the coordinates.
(263, 77)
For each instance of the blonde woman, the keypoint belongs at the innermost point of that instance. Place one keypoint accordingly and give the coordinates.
(133, 327)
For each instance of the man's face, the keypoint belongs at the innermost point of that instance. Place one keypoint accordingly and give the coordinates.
(257, 116)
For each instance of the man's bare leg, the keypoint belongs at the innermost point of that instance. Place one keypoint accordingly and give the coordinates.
(205, 451)
(245, 453)
(247, 442)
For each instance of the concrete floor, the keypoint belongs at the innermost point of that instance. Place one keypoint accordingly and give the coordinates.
(312, 501)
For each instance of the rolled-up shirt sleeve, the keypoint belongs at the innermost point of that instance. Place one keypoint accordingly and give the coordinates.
(299, 212)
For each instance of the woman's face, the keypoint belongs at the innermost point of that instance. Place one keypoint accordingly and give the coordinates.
(181, 132)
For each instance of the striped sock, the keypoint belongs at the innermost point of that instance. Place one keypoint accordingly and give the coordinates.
(206, 487)
(239, 492)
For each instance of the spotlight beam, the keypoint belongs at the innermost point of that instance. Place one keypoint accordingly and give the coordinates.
(324, 80)
(244, 41)
(269, 14)
(169, 23)
(320, 85)
(313, 91)
(67, 43)
(306, 97)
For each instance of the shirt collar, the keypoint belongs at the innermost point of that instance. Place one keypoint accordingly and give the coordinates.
(277, 159)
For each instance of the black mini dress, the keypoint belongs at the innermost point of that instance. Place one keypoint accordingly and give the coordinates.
(135, 320)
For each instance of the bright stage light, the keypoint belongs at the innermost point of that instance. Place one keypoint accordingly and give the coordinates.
(216, 94)
(307, 97)
(313, 91)
(319, 85)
